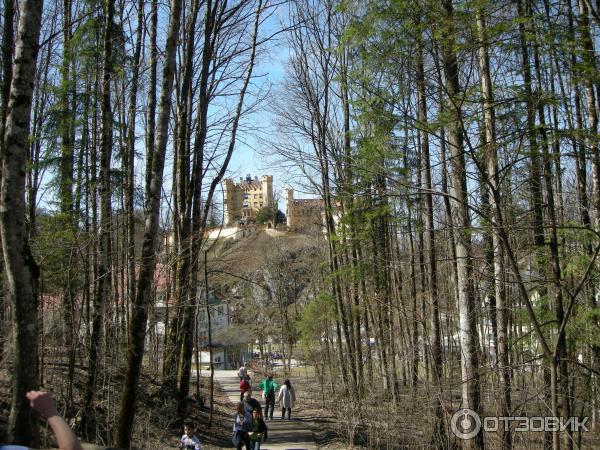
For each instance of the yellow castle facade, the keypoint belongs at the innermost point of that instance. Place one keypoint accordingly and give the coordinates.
(242, 200)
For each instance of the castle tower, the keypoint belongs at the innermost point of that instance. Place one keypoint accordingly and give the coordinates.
(289, 207)
(267, 190)
(229, 200)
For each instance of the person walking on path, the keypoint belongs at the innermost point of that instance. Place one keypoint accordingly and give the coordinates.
(250, 403)
(286, 399)
(243, 372)
(244, 387)
(241, 425)
(258, 430)
(268, 387)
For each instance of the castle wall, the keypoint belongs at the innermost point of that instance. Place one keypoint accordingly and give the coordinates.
(302, 214)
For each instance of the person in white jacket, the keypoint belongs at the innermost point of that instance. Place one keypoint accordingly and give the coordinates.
(286, 399)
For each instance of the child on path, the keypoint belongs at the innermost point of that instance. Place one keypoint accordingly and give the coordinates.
(189, 440)
(258, 430)
(241, 425)
(286, 399)
(269, 387)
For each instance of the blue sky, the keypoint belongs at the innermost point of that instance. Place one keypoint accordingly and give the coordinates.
(248, 157)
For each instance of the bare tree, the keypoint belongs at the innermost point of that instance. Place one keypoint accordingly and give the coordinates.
(491, 175)
(471, 397)
(103, 291)
(21, 269)
(143, 292)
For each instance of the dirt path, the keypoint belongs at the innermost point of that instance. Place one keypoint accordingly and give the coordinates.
(292, 434)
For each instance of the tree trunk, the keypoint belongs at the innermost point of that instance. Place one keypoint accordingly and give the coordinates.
(592, 134)
(185, 287)
(103, 291)
(179, 330)
(413, 298)
(493, 188)
(145, 279)
(66, 119)
(439, 431)
(536, 193)
(67, 135)
(21, 269)
(554, 271)
(129, 157)
(462, 223)
(8, 40)
(7, 67)
(151, 115)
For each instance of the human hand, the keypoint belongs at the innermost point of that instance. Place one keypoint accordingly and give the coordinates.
(42, 402)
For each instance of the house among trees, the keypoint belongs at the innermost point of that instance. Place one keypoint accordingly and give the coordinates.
(219, 324)
(219, 321)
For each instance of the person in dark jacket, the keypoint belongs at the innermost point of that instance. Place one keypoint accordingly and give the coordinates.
(250, 403)
(258, 430)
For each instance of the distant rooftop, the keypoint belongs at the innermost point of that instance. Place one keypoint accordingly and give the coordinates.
(214, 296)
(317, 202)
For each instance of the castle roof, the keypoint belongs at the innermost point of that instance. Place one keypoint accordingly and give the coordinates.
(249, 185)
(308, 202)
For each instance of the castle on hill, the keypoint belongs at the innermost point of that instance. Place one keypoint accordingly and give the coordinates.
(244, 199)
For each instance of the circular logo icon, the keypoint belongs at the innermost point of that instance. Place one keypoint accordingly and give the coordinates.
(465, 424)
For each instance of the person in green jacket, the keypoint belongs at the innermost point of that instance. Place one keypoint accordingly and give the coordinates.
(269, 387)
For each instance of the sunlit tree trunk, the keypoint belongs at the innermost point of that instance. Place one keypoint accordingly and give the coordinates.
(493, 188)
(462, 227)
(21, 270)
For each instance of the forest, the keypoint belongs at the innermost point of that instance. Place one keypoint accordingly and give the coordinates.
(454, 147)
